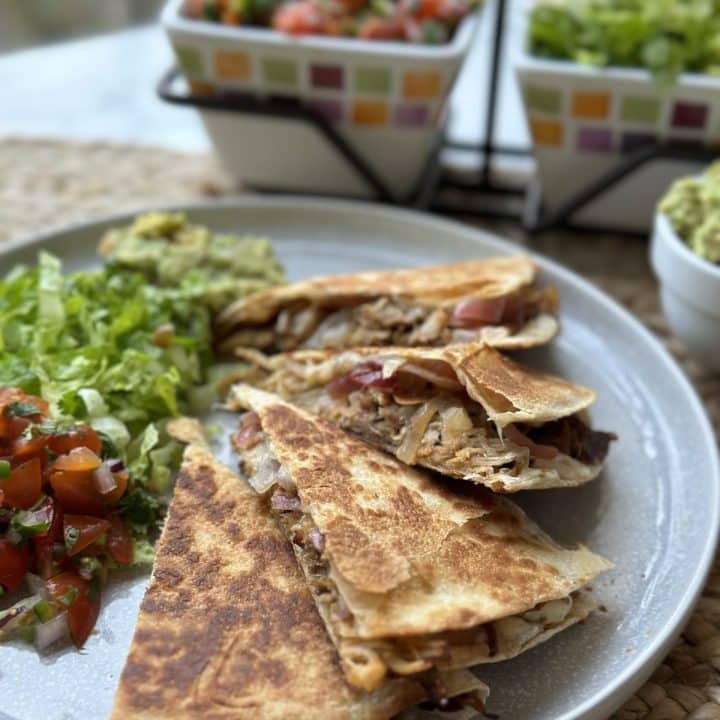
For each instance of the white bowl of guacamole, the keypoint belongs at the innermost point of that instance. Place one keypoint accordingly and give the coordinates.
(689, 292)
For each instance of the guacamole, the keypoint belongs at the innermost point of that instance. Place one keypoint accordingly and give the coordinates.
(693, 207)
(171, 252)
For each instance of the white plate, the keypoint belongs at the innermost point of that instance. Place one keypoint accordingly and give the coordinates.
(654, 512)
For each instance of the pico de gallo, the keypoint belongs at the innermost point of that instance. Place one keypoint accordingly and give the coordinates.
(414, 21)
(63, 521)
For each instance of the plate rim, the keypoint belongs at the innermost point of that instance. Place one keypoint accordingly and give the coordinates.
(613, 694)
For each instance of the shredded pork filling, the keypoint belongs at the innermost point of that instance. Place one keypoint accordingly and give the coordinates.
(452, 432)
(399, 655)
(388, 321)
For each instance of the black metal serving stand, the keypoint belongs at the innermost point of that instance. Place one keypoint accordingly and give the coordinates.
(438, 191)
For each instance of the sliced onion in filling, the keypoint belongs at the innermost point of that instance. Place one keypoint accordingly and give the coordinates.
(408, 448)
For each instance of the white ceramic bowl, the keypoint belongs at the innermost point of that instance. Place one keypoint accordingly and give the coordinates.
(689, 291)
(386, 99)
(585, 120)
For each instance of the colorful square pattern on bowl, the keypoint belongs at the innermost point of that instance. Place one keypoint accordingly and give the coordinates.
(279, 72)
(370, 112)
(547, 132)
(597, 140)
(232, 65)
(637, 109)
(689, 115)
(327, 76)
(411, 115)
(543, 99)
(594, 105)
(418, 85)
(190, 60)
(375, 81)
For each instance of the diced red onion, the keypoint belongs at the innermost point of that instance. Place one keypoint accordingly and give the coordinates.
(473, 312)
(284, 503)
(104, 480)
(42, 515)
(318, 540)
(115, 465)
(341, 386)
(438, 373)
(266, 475)
(248, 433)
(543, 452)
(48, 633)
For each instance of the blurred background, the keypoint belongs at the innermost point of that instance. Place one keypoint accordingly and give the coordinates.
(24, 23)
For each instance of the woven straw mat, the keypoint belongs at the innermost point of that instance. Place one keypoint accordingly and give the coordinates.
(46, 184)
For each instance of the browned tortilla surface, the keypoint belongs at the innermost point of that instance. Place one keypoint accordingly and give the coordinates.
(228, 628)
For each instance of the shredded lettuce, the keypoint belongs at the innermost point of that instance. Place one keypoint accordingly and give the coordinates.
(86, 342)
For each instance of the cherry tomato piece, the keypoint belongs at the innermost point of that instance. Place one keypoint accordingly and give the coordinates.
(76, 492)
(299, 18)
(121, 478)
(71, 592)
(24, 486)
(80, 531)
(119, 541)
(26, 448)
(13, 564)
(64, 442)
(79, 459)
(8, 396)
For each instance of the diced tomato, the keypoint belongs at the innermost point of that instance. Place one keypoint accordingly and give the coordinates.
(119, 541)
(121, 478)
(229, 17)
(76, 437)
(13, 564)
(82, 616)
(8, 396)
(541, 452)
(424, 9)
(76, 492)
(24, 486)
(80, 531)
(194, 8)
(353, 6)
(79, 459)
(26, 448)
(247, 435)
(298, 18)
(11, 428)
(375, 28)
(82, 613)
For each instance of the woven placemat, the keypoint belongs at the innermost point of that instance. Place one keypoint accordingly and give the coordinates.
(46, 184)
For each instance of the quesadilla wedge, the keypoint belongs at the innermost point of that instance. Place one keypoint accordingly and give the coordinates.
(228, 629)
(465, 411)
(407, 573)
(495, 300)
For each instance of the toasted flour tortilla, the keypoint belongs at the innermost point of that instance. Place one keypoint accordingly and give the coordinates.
(410, 307)
(408, 573)
(228, 629)
(465, 411)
